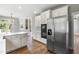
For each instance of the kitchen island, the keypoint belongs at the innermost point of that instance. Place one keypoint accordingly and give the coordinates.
(16, 40)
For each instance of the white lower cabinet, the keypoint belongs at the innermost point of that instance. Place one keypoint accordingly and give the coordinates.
(15, 41)
(2, 46)
(9, 43)
(12, 42)
(24, 42)
(23, 39)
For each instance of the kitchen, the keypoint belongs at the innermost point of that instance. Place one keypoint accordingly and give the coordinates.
(50, 25)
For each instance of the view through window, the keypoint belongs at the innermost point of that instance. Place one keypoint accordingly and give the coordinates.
(4, 25)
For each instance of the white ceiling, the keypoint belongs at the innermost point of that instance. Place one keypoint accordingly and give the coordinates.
(24, 12)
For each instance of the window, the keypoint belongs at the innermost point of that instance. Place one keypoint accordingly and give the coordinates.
(4, 25)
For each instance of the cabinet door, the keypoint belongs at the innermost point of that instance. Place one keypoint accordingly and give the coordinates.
(16, 41)
(60, 11)
(29, 40)
(44, 16)
(37, 21)
(76, 26)
(60, 35)
(38, 26)
(12, 42)
(23, 38)
(50, 40)
(9, 44)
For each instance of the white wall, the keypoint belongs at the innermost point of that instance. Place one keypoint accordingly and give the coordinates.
(15, 25)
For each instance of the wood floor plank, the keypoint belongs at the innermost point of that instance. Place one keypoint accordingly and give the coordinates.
(38, 48)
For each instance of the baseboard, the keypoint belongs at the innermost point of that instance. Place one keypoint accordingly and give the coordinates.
(42, 40)
(39, 41)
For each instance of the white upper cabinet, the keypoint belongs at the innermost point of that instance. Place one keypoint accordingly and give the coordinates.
(44, 16)
(60, 11)
(38, 26)
(38, 21)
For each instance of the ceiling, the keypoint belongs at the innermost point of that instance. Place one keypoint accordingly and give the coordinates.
(23, 10)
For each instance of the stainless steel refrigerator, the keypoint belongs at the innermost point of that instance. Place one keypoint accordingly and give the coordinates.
(60, 33)
(57, 41)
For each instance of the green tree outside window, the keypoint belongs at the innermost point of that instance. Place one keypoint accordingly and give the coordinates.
(4, 25)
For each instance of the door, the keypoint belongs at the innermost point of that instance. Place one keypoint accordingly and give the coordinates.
(60, 35)
(50, 36)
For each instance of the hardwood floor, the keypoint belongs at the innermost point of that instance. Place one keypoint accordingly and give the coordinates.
(76, 43)
(38, 48)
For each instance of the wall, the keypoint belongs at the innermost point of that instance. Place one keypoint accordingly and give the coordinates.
(15, 25)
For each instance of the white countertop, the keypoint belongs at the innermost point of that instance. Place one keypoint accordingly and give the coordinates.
(11, 33)
(3, 42)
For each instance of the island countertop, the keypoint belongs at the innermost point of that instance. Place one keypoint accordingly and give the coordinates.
(11, 33)
(3, 34)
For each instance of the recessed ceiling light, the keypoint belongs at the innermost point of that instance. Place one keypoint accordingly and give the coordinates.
(35, 12)
(20, 7)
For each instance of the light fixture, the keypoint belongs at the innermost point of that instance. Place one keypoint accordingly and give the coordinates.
(20, 7)
(35, 12)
